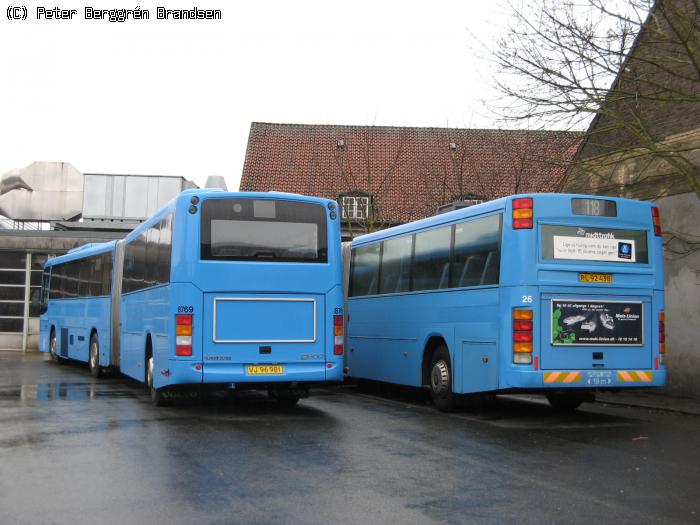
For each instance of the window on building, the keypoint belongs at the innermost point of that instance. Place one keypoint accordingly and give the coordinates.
(355, 207)
(15, 278)
(13, 269)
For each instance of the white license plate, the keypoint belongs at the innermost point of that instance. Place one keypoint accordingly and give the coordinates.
(599, 378)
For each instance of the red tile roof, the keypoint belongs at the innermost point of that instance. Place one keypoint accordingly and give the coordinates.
(410, 171)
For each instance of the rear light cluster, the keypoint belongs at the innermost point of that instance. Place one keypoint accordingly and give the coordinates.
(662, 336)
(522, 213)
(183, 335)
(522, 337)
(656, 217)
(338, 334)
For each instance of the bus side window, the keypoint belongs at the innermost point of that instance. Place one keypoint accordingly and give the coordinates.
(139, 271)
(491, 269)
(396, 265)
(128, 268)
(105, 276)
(134, 274)
(471, 273)
(45, 278)
(164, 249)
(55, 282)
(84, 277)
(432, 258)
(152, 245)
(477, 252)
(365, 270)
(71, 278)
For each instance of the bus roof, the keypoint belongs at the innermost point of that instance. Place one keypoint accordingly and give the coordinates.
(220, 194)
(435, 220)
(471, 211)
(82, 252)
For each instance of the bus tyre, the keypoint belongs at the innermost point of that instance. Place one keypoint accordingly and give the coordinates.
(94, 357)
(159, 397)
(53, 348)
(284, 397)
(568, 401)
(441, 381)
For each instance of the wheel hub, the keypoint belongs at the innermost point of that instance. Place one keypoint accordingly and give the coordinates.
(149, 374)
(440, 378)
(93, 355)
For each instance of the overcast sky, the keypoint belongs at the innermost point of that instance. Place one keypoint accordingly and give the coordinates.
(177, 97)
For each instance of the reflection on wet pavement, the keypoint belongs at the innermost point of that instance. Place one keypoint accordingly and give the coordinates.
(78, 450)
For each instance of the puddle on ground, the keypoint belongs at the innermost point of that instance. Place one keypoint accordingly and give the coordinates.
(62, 391)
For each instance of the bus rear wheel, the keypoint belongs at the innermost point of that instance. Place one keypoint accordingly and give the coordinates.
(441, 392)
(158, 396)
(53, 348)
(286, 397)
(569, 400)
(94, 357)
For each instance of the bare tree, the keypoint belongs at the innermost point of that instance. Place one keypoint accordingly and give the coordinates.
(530, 160)
(444, 177)
(632, 68)
(515, 161)
(364, 174)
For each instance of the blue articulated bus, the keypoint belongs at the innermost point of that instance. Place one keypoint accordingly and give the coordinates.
(550, 293)
(242, 290)
(76, 305)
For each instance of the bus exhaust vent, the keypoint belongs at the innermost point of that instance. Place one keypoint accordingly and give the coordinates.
(216, 181)
(468, 200)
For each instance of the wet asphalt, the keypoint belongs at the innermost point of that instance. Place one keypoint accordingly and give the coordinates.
(78, 450)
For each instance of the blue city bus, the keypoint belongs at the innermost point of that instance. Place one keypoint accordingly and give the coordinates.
(547, 293)
(235, 290)
(76, 305)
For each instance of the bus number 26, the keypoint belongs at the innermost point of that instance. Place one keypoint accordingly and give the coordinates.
(527, 299)
(185, 309)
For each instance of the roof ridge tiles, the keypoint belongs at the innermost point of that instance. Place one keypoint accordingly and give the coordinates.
(409, 170)
(412, 128)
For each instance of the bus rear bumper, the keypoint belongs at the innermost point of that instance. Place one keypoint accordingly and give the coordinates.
(559, 379)
(190, 372)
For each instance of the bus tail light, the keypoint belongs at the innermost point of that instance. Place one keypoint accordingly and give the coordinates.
(656, 217)
(662, 336)
(338, 335)
(523, 213)
(183, 335)
(522, 336)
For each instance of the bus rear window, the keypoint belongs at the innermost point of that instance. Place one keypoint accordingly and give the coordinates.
(594, 244)
(263, 230)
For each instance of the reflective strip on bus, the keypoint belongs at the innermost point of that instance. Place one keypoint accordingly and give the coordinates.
(562, 377)
(635, 376)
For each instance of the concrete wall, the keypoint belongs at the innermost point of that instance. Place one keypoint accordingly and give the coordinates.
(681, 214)
(43, 242)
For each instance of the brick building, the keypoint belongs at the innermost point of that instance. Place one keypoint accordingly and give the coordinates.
(384, 176)
(646, 144)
